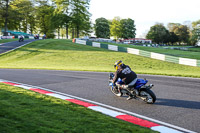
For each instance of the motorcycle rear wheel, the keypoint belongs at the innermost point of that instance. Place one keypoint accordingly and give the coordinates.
(148, 96)
(115, 91)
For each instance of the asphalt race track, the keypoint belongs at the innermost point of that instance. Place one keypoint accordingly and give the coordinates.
(178, 100)
(11, 45)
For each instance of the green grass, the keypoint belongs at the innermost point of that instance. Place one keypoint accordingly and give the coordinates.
(196, 49)
(25, 111)
(193, 54)
(65, 55)
(7, 40)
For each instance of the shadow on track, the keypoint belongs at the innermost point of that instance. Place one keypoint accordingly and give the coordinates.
(178, 103)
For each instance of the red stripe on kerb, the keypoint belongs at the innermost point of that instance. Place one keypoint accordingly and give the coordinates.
(137, 121)
(9, 83)
(80, 102)
(40, 91)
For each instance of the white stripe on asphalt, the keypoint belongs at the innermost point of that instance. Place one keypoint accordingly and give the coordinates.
(1, 80)
(106, 111)
(58, 96)
(22, 86)
(164, 129)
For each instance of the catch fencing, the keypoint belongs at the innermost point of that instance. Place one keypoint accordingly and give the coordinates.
(173, 59)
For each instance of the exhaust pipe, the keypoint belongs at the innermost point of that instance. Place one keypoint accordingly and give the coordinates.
(150, 86)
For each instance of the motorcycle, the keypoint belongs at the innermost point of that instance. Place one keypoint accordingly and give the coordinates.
(21, 39)
(36, 37)
(139, 91)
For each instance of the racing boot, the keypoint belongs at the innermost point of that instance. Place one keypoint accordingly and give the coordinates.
(130, 97)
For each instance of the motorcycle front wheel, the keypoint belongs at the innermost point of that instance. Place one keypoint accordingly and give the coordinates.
(115, 91)
(148, 96)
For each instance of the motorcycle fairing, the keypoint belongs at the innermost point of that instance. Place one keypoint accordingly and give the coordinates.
(139, 83)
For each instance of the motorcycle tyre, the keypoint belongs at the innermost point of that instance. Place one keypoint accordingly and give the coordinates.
(119, 94)
(21, 40)
(151, 94)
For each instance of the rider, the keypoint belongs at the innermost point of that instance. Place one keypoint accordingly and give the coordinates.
(21, 38)
(44, 36)
(128, 76)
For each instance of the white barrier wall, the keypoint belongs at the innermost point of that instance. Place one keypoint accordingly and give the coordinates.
(157, 56)
(133, 51)
(96, 44)
(31, 37)
(81, 42)
(185, 61)
(7, 37)
(113, 47)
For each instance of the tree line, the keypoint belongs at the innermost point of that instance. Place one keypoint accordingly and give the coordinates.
(46, 17)
(72, 17)
(118, 28)
(175, 33)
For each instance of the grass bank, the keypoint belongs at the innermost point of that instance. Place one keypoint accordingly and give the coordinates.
(196, 49)
(7, 40)
(65, 55)
(193, 53)
(25, 111)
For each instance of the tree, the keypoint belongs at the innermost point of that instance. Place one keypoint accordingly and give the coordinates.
(62, 9)
(171, 26)
(183, 33)
(102, 28)
(5, 12)
(32, 22)
(173, 38)
(127, 28)
(25, 9)
(58, 21)
(44, 17)
(115, 28)
(13, 19)
(158, 33)
(80, 17)
(194, 37)
(195, 33)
